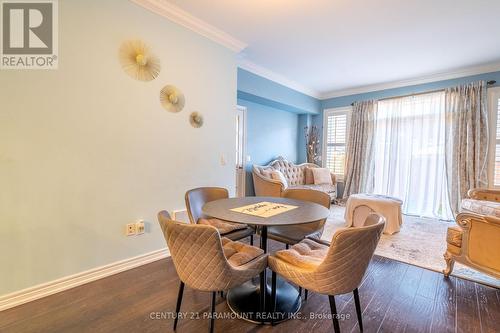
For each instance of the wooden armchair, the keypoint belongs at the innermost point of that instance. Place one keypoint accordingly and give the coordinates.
(475, 242)
(482, 201)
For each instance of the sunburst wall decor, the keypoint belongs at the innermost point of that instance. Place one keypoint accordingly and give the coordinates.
(196, 119)
(138, 61)
(172, 99)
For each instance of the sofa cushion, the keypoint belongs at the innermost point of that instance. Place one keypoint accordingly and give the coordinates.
(482, 207)
(454, 236)
(308, 176)
(329, 189)
(322, 176)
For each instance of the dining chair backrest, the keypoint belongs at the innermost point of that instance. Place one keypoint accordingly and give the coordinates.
(196, 252)
(360, 214)
(319, 197)
(350, 253)
(163, 218)
(196, 198)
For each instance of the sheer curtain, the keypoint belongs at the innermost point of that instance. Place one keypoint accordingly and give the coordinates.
(409, 154)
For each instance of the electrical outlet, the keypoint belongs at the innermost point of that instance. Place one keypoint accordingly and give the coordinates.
(139, 227)
(131, 229)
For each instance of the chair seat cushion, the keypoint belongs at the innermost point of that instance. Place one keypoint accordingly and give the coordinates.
(238, 253)
(482, 207)
(223, 226)
(291, 234)
(329, 189)
(307, 254)
(454, 236)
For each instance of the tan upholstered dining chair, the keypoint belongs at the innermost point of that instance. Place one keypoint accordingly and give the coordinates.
(292, 234)
(204, 261)
(330, 268)
(196, 198)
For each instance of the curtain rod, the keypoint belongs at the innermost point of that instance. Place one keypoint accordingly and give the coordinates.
(489, 83)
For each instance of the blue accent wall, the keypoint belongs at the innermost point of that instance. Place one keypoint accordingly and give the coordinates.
(276, 116)
(305, 120)
(254, 88)
(270, 133)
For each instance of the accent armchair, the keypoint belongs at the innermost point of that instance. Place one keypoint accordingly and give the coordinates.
(483, 202)
(474, 242)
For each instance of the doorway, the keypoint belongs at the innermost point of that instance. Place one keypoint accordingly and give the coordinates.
(241, 127)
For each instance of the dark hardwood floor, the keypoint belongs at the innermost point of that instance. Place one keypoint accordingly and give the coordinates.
(395, 297)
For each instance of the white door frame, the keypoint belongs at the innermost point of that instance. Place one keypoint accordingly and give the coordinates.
(241, 174)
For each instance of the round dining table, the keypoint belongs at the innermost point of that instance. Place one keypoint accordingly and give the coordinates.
(247, 301)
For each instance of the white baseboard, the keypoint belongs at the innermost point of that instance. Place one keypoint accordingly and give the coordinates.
(45, 289)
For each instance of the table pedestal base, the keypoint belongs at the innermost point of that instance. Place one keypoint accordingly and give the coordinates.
(244, 301)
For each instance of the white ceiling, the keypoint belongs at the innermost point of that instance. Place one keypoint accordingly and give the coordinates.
(332, 45)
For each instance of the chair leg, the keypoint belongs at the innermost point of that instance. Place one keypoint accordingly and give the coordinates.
(306, 292)
(178, 306)
(449, 264)
(358, 309)
(251, 240)
(263, 292)
(300, 291)
(333, 309)
(286, 246)
(212, 311)
(221, 294)
(273, 297)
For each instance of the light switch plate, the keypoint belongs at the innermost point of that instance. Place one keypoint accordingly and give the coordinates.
(139, 227)
(222, 159)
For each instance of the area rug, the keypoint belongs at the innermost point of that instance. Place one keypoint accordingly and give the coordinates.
(421, 242)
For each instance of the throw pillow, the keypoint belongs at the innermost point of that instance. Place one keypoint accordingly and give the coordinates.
(278, 175)
(322, 176)
(309, 176)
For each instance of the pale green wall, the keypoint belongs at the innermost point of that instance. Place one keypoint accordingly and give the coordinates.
(85, 149)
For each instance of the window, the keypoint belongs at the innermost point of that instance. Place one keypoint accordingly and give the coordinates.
(494, 94)
(335, 139)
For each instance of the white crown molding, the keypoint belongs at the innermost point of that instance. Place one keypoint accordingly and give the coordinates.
(494, 67)
(270, 75)
(46, 289)
(181, 17)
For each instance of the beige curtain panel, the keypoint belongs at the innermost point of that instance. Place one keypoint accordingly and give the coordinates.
(360, 148)
(466, 140)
